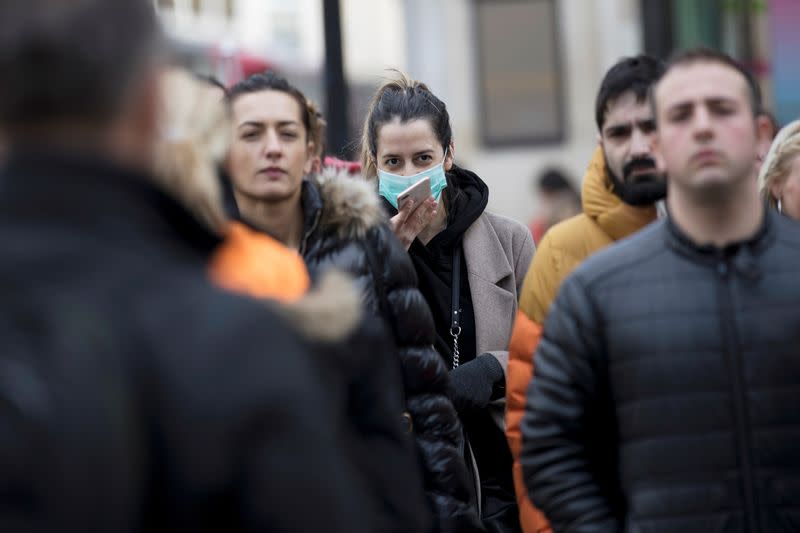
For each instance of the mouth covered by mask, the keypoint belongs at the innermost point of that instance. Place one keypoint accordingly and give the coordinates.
(391, 185)
(642, 188)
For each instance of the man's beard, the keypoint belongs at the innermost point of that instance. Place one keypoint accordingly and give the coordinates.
(642, 189)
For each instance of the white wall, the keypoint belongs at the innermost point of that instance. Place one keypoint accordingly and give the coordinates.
(373, 37)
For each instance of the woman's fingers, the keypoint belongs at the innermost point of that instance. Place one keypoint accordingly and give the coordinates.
(406, 209)
(411, 220)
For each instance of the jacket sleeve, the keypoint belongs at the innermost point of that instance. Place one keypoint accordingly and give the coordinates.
(523, 253)
(567, 464)
(523, 258)
(524, 340)
(435, 424)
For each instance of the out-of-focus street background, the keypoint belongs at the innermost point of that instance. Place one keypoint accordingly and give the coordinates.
(519, 76)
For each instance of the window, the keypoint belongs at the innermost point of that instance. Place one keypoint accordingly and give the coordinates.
(731, 26)
(520, 79)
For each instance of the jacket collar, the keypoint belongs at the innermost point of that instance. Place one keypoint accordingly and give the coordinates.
(742, 254)
(311, 200)
(312, 205)
(49, 185)
(616, 218)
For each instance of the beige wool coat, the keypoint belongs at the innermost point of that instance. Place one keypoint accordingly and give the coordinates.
(498, 252)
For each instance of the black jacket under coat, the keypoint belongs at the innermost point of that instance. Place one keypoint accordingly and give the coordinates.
(134, 396)
(667, 388)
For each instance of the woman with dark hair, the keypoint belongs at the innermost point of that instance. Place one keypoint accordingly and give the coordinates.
(470, 264)
(334, 220)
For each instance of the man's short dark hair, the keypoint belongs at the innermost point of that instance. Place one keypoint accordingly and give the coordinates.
(635, 74)
(71, 60)
(707, 55)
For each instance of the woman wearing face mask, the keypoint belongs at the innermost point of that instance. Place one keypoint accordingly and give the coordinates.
(470, 264)
(335, 220)
(779, 178)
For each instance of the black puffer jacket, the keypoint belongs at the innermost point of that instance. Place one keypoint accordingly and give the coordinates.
(667, 390)
(345, 228)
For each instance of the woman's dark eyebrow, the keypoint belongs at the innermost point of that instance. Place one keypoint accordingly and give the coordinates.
(251, 123)
(259, 124)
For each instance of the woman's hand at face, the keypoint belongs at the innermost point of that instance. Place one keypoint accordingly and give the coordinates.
(412, 219)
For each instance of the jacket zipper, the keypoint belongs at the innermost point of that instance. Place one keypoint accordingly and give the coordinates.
(730, 338)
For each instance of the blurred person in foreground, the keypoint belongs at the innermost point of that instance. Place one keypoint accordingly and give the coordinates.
(668, 378)
(620, 189)
(365, 390)
(558, 200)
(779, 176)
(133, 395)
(335, 221)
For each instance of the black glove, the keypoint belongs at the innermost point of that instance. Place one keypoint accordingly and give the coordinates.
(476, 383)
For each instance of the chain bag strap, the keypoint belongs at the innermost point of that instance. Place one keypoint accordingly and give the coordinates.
(455, 311)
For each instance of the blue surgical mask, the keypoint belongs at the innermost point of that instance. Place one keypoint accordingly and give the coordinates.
(391, 185)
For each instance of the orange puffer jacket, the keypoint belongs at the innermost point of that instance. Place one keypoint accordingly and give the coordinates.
(605, 219)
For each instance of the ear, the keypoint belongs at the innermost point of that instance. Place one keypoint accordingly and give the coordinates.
(311, 158)
(776, 189)
(450, 156)
(763, 136)
(600, 140)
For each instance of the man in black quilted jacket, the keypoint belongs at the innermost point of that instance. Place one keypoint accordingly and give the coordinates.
(668, 378)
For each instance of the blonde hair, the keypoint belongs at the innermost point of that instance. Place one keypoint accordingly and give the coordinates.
(776, 166)
(194, 138)
(406, 99)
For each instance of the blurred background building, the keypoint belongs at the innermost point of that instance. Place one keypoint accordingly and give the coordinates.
(519, 76)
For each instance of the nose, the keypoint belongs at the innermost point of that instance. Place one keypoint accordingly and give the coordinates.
(702, 123)
(272, 145)
(641, 144)
(407, 169)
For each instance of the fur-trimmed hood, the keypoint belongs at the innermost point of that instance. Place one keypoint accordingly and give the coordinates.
(341, 202)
